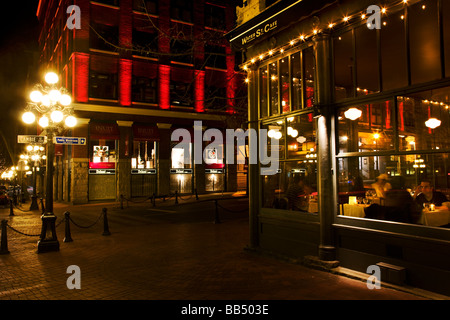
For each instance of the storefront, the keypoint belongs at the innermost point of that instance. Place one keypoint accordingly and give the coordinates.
(350, 104)
(182, 159)
(144, 160)
(103, 151)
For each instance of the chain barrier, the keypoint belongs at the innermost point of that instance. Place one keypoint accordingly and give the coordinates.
(86, 227)
(32, 235)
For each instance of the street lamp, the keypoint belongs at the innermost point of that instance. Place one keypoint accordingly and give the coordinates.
(52, 105)
(35, 153)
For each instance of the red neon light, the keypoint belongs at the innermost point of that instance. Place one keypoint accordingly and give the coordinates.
(402, 120)
(125, 75)
(388, 116)
(80, 77)
(164, 87)
(199, 91)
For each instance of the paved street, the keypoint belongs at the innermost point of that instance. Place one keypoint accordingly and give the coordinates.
(162, 252)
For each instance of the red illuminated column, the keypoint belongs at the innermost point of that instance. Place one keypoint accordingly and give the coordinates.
(231, 81)
(125, 76)
(80, 77)
(164, 86)
(199, 91)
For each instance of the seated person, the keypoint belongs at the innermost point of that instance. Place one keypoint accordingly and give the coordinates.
(424, 193)
(399, 206)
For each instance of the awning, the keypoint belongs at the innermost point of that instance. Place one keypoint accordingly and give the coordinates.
(104, 130)
(145, 133)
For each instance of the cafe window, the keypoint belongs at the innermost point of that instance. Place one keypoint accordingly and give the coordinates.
(344, 66)
(367, 73)
(309, 66)
(423, 120)
(144, 155)
(301, 137)
(293, 187)
(386, 151)
(393, 52)
(276, 131)
(263, 92)
(144, 89)
(103, 37)
(273, 88)
(297, 78)
(102, 85)
(424, 41)
(284, 84)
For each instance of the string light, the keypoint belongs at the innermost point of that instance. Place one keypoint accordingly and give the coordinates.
(331, 25)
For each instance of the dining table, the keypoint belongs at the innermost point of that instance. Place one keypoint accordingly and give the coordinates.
(353, 210)
(435, 218)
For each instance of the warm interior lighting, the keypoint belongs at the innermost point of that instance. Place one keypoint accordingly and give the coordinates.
(353, 113)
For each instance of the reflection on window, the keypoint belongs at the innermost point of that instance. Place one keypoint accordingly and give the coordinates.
(366, 128)
(294, 187)
(143, 155)
(296, 72)
(423, 120)
(301, 137)
(310, 70)
(273, 88)
(284, 83)
(181, 51)
(276, 131)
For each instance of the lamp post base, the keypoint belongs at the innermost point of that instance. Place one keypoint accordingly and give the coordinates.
(48, 241)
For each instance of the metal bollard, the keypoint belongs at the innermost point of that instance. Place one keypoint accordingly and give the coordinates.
(196, 194)
(11, 210)
(4, 239)
(176, 197)
(105, 224)
(121, 201)
(68, 236)
(42, 206)
(154, 200)
(216, 215)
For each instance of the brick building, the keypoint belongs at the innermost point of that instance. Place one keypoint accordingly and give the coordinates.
(137, 70)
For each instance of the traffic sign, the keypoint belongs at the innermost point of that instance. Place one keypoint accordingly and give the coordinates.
(31, 139)
(70, 140)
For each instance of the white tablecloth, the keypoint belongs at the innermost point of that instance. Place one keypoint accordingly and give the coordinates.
(435, 218)
(353, 210)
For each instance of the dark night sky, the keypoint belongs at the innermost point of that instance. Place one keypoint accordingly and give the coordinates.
(18, 47)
